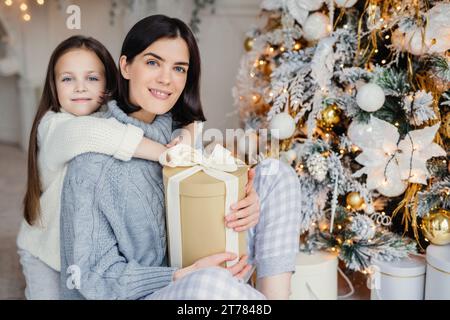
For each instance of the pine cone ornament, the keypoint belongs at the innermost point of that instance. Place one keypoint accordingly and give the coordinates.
(317, 166)
(363, 227)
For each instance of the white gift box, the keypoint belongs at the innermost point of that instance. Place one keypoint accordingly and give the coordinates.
(315, 277)
(438, 273)
(398, 280)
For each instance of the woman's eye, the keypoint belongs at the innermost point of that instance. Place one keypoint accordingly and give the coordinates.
(152, 63)
(180, 69)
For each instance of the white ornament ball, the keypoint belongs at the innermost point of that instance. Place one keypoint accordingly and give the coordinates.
(345, 3)
(310, 5)
(415, 43)
(285, 125)
(370, 97)
(392, 188)
(361, 134)
(316, 27)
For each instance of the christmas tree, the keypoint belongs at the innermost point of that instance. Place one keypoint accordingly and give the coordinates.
(357, 94)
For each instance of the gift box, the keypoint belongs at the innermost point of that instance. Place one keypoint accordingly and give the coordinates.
(315, 277)
(398, 280)
(198, 197)
(438, 273)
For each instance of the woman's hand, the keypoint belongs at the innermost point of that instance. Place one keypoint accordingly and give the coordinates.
(245, 213)
(238, 270)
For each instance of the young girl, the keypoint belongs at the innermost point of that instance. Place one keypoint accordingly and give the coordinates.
(81, 74)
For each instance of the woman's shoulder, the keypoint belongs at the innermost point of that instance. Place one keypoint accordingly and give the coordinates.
(88, 167)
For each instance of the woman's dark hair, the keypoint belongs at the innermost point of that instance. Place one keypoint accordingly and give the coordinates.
(188, 108)
(49, 101)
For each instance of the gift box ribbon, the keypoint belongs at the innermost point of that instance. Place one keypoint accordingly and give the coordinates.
(216, 165)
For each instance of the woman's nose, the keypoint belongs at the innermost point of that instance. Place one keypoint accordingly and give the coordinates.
(164, 77)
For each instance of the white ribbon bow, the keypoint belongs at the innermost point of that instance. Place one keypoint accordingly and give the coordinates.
(183, 155)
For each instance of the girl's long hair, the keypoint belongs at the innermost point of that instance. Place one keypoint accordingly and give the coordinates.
(49, 101)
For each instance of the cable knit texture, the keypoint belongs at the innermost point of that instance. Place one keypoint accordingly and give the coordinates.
(61, 137)
(113, 222)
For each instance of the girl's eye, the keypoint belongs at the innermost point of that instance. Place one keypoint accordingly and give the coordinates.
(92, 78)
(180, 69)
(66, 79)
(152, 63)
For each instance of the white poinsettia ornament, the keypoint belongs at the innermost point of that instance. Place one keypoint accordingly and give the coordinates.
(416, 148)
(299, 9)
(390, 163)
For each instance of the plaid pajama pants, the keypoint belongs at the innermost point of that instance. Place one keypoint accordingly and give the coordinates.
(272, 243)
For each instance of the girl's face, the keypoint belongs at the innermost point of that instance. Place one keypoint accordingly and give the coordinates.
(80, 81)
(157, 75)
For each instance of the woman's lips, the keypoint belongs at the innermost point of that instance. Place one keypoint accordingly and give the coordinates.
(158, 94)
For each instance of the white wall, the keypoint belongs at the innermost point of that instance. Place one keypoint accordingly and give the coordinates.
(10, 111)
(221, 45)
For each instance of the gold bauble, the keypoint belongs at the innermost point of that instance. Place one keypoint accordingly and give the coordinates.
(265, 67)
(355, 201)
(330, 116)
(436, 227)
(248, 44)
(445, 125)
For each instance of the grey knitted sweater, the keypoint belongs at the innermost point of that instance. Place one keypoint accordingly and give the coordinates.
(113, 236)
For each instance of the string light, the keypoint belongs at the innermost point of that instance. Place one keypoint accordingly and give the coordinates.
(376, 50)
(387, 36)
(40, 2)
(26, 17)
(383, 61)
(23, 7)
(8, 3)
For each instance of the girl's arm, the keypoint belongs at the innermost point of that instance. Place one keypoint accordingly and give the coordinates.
(63, 137)
(186, 136)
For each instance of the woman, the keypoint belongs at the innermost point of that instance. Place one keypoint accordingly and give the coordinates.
(113, 237)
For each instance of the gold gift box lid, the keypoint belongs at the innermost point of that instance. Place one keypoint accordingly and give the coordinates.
(202, 185)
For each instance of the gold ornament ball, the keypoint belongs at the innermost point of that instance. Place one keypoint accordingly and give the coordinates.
(436, 227)
(330, 116)
(248, 44)
(265, 67)
(355, 201)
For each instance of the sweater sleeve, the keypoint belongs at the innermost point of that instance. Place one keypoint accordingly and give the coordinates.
(63, 137)
(91, 244)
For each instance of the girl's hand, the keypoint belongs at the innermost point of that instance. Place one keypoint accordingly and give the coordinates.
(174, 142)
(245, 213)
(239, 270)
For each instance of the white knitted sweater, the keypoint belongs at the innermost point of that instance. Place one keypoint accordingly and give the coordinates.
(61, 137)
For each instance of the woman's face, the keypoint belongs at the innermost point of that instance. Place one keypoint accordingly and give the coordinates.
(157, 75)
(80, 81)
